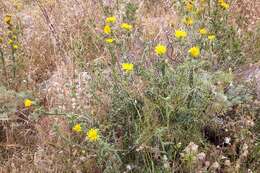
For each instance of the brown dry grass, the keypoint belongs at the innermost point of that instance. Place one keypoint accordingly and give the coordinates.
(51, 28)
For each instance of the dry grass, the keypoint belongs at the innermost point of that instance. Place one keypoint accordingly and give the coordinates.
(58, 36)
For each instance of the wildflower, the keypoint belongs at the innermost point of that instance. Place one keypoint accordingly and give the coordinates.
(93, 134)
(1, 40)
(27, 103)
(189, 6)
(107, 29)
(211, 37)
(77, 128)
(188, 21)
(224, 5)
(160, 50)
(180, 34)
(194, 51)
(8, 19)
(111, 19)
(127, 67)
(10, 42)
(15, 46)
(126, 26)
(109, 40)
(14, 37)
(203, 31)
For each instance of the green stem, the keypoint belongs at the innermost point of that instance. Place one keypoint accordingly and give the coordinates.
(191, 83)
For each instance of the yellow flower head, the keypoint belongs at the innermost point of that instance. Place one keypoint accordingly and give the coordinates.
(180, 34)
(111, 19)
(10, 42)
(189, 6)
(127, 67)
(8, 19)
(27, 103)
(15, 46)
(188, 21)
(224, 5)
(126, 26)
(14, 37)
(93, 134)
(109, 40)
(1, 40)
(211, 37)
(194, 51)
(107, 29)
(77, 128)
(160, 49)
(203, 31)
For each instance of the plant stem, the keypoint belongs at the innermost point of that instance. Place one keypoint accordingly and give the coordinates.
(3, 62)
(14, 63)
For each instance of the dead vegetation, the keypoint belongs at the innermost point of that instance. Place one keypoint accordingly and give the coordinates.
(60, 43)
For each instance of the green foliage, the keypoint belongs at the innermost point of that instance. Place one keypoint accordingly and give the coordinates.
(130, 13)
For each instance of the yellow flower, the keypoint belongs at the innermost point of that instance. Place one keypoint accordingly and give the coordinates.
(15, 46)
(107, 29)
(1, 40)
(109, 40)
(211, 37)
(224, 5)
(188, 21)
(194, 51)
(203, 31)
(93, 134)
(180, 34)
(126, 26)
(111, 19)
(8, 19)
(14, 37)
(160, 50)
(189, 6)
(127, 67)
(27, 103)
(10, 42)
(77, 128)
